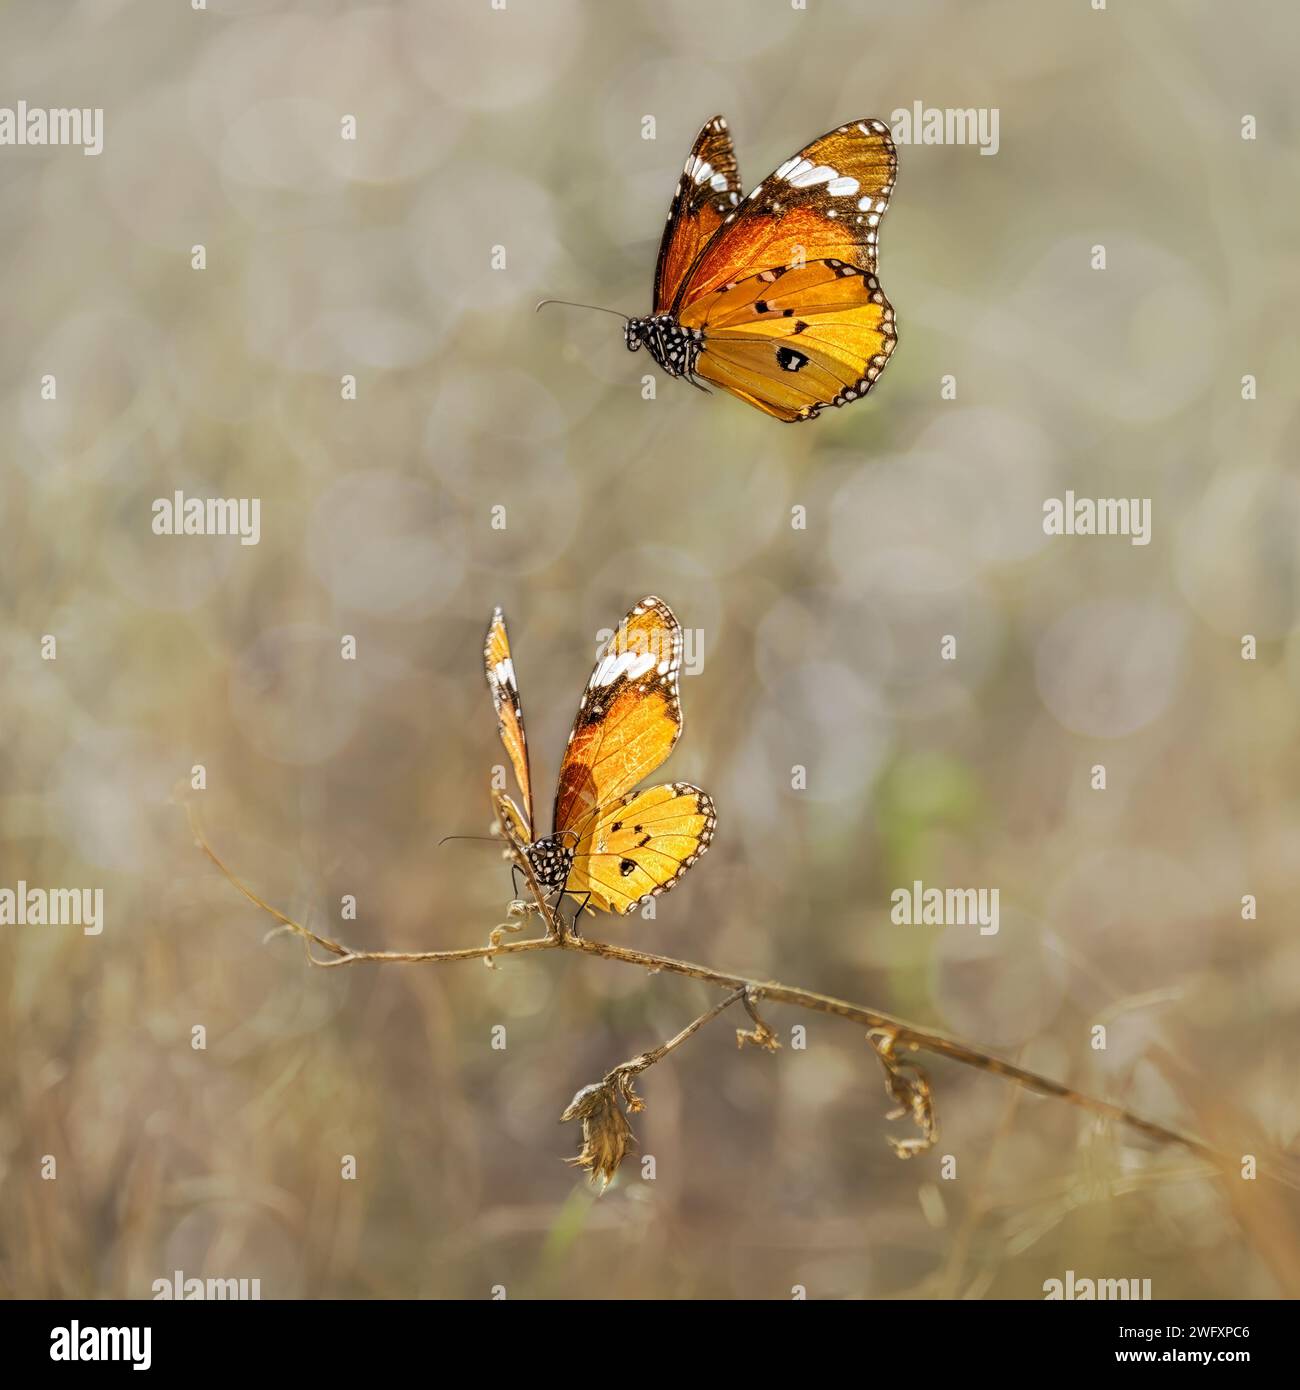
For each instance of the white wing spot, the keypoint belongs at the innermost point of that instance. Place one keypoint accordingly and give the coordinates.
(804, 175)
(616, 664)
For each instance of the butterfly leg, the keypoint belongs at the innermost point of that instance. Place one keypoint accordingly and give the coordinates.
(581, 908)
(525, 905)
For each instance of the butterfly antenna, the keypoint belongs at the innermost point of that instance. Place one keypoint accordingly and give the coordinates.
(487, 839)
(571, 304)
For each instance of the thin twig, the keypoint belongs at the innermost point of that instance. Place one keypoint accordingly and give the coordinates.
(657, 1054)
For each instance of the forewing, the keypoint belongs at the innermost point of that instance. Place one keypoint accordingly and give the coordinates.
(825, 203)
(629, 718)
(510, 714)
(708, 190)
(641, 844)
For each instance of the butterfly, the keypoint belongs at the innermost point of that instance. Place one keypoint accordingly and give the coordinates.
(774, 297)
(612, 847)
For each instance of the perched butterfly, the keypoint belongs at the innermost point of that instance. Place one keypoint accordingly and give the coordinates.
(611, 847)
(774, 297)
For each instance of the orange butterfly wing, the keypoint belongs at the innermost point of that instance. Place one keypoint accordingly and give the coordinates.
(793, 341)
(785, 295)
(709, 189)
(823, 204)
(639, 845)
(629, 718)
(510, 714)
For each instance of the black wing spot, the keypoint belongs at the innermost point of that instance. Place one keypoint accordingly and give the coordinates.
(799, 326)
(626, 867)
(760, 306)
(790, 359)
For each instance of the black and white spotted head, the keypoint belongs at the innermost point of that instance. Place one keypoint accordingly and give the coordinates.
(551, 860)
(673, 347)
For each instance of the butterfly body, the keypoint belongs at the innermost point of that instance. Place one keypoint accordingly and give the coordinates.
(612, 847)
(673, 347)
(773, 296)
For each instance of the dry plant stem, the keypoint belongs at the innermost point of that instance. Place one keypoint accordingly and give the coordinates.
(344, 955)
(558, 937)
(657, 1054)
(906, 1034)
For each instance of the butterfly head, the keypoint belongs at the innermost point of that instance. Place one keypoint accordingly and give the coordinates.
(673, 347)
(551, 860)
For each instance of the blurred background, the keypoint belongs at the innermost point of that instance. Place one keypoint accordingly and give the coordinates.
(512, 138)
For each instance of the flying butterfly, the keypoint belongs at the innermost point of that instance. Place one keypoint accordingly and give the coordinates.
(774, 296)
(611, 847)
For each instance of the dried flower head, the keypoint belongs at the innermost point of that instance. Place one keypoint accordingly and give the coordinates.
(606, 1134)
(909, 1086)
